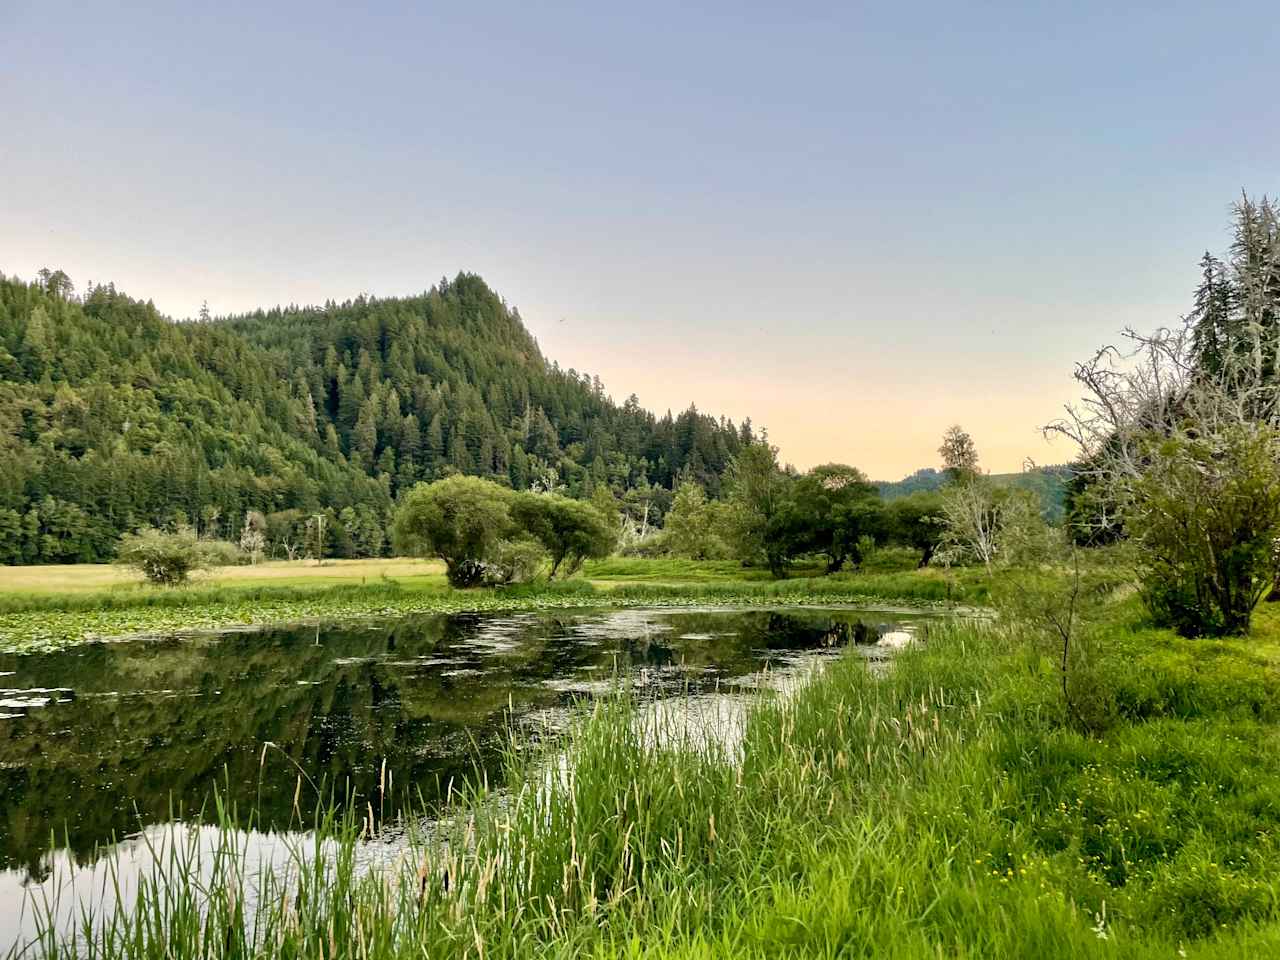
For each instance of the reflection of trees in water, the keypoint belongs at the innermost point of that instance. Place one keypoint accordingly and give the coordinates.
(332, 710)
(427, 694)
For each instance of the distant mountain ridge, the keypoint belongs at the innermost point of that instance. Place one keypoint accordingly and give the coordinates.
(1049, 483)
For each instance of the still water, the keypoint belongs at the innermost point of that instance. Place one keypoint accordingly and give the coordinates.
(105, 746)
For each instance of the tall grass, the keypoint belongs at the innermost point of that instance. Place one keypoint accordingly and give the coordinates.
(944, 809)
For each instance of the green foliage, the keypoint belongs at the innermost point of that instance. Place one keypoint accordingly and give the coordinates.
(958, 452)
(514, 561)
(832, 509)
(166, 559)
(114, 417)
(461, 520)
(1206, 518)
(571, 531)
(1059, 616)
(695, 527)
(759, 493)
(1024, 539)
(221, 553)
(1240, 298)
(916, 521)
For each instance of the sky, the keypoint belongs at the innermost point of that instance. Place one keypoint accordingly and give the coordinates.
(853, 223)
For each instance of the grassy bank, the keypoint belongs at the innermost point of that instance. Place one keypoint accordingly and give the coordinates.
(948, 809)
(41, 619)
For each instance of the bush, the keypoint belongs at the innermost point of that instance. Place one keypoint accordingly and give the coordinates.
(222, 553)
(695, 527)
(163, 558)
(1206, 516)
(652, 547)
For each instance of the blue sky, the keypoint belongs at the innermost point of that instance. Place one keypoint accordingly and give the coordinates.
(854, 223)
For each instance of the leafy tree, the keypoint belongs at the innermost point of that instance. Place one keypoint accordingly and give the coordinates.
(286, 532)
(695, 527)
(833, 508)
(461, 520)
(916, 521)
(759, 498)
(163, 558)
(571, 531)
(959, 455)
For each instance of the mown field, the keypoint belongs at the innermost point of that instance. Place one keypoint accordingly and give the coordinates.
(79, 578)
(955, 807)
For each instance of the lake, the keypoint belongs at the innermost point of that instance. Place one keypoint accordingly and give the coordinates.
(103, 747)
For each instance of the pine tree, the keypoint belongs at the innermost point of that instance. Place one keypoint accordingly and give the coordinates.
(1212, 314)
(364, 438)
(37, 343)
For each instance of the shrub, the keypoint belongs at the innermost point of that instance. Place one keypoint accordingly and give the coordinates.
(695, 526)
(222, 553)
(163, 558)
(1206, 516)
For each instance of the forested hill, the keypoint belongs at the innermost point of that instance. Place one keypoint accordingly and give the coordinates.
(113, 416)
(1049, 483)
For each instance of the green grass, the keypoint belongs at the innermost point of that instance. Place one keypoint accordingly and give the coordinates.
(946, 809)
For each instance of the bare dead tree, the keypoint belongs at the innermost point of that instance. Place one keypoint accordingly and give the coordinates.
(971, 520)
(1151, 387)
(1159, 385)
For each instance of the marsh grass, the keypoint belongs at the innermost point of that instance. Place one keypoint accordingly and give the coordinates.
(946, 808)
